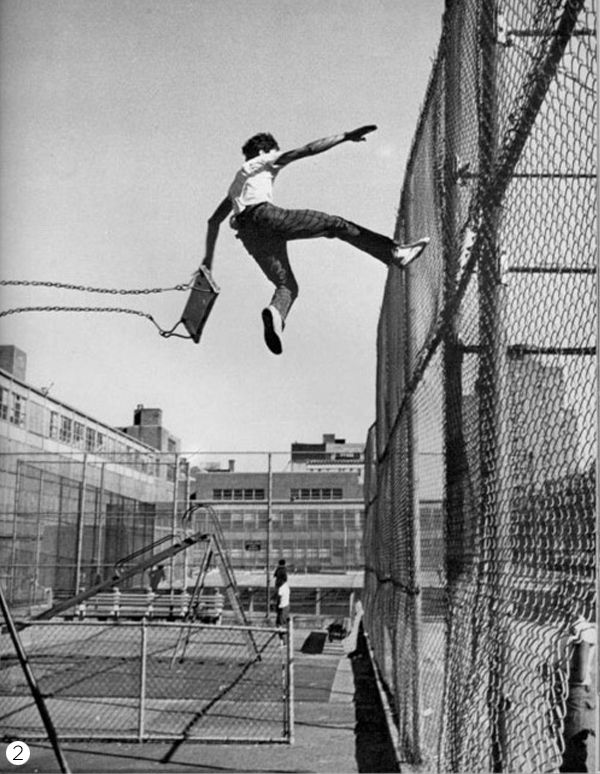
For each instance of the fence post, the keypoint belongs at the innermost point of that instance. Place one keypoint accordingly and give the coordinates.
(409, 313)
(38, 549)
(290, 679)
(12, 577)
(100, 525)
(268, 547)
(186, 500)
(143, 668)
(174, 519)
(492, 396)
(80, 524)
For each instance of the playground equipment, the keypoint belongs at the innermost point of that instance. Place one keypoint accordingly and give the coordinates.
(144, 564)
(217, 552)
(203, 294)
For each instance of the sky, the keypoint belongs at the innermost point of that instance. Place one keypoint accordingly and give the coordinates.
(121, 124)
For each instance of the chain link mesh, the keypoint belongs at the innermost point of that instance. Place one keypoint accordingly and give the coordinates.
(134, 681)
(480, 485)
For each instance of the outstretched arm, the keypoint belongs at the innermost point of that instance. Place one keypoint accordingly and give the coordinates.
(318, 146)
(212, 232)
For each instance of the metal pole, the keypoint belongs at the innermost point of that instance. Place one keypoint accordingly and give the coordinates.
(455, 453)
(100, 524)
(186, 498)
(490, 392)
(174, 519)
(13, 548)
(143, 671)
(415, 529)
(268, 551)
(457, 543)
(80, 520)
(290, 679)
(38, 553)
(33, 686)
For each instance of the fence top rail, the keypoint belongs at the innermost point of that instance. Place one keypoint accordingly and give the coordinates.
(152, 625)
(149, 452)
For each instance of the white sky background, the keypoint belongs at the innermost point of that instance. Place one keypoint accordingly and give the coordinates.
(121, 123)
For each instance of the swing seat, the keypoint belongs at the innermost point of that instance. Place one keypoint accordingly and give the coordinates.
(202, 297)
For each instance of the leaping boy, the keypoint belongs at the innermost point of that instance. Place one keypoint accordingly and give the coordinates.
(265, 229)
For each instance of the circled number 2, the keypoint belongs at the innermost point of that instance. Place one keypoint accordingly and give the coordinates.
(17, 753)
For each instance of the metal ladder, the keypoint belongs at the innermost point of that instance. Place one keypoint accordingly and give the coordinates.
(215, 550)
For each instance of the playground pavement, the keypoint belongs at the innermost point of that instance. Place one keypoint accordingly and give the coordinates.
(344, 731)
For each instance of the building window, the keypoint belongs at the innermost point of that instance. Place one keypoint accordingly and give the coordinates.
(3, 403)
(90, 439)
(326, 493)
(78, 433)
(237, 520)
(300, 519)
(66, 429)
(238, 494)
(54, 420)
(35, 421)
(17, 416)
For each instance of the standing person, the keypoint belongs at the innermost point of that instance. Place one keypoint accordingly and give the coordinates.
(265, 229)
(156, 575)
(283, 606)
(280, 573)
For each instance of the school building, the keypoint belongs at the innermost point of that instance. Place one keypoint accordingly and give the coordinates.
(76, 495)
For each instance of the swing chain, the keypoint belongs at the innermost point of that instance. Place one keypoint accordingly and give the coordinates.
(117, 309)
(165, 333)
(89, 289)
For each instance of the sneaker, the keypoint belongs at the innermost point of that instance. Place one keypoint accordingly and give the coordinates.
(403, 255)
(273, 329)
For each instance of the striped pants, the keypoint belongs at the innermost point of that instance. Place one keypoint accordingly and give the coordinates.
(266, 229)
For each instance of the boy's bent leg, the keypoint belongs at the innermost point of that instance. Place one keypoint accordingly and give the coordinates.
(271, 255)
(275, 265)
(312, 224)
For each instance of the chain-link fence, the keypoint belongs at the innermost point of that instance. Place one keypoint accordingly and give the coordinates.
(480, 485)
(150, 681)
(70, 520)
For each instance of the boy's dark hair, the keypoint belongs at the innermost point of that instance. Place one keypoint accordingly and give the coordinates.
(258, 142)
(281, 562)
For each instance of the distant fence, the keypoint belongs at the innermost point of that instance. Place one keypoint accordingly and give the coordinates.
(70, 519)
(486, 395)
(150, 681)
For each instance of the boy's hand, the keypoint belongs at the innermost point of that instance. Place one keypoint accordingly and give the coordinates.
(358, 135)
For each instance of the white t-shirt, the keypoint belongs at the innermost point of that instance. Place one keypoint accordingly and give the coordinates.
(253, 183)
(283, 595)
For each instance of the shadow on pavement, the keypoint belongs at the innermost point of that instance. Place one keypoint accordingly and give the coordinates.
(374, 748)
